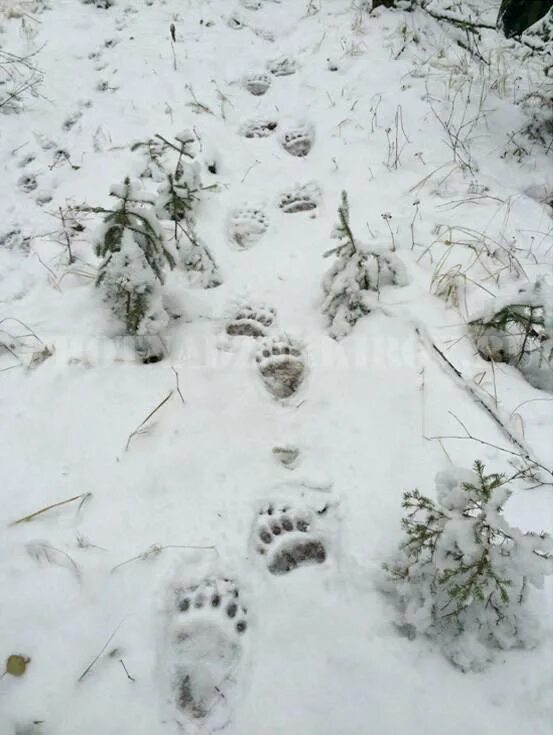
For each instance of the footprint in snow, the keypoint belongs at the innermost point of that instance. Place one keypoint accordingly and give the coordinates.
(204, 648)
(289, 537)
(247, 225)
(257, 84)
(258, 128)
(283, 66)
(281, 364)
(27, 183)
(298, 141)
(251, 321)
(300, 199)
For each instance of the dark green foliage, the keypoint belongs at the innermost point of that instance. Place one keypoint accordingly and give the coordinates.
(515, 16)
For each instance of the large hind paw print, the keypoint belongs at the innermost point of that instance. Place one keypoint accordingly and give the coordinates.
(251, 321)
(287, 537)
(299, 199)
(281, 364)
(257, 84)
(258, 128)
(206, 625)
(246, 226)
(298, 141)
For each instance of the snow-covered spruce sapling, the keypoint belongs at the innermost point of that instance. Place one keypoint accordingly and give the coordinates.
(132, 270)
(177, 198)
(462, 574)
(178, 193)
(518, 330)
(352, 285)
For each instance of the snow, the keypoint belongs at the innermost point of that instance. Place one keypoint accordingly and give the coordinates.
(320, 654)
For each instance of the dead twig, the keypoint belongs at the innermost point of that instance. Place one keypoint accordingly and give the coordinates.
(523, 451)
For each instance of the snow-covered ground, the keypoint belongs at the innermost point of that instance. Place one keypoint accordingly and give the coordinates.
(314, 651)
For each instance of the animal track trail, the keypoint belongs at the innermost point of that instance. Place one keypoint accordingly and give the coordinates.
(204, 647)
(289, 536)
(281, 363)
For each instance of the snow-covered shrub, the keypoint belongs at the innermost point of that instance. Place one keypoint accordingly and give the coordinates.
(462, 573)
(176, 169)
(352, 284)
(178, 195)
(134, 257)
(518, 330)
(181, 183)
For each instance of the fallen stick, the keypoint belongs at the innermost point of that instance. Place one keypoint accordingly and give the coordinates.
(431, 346)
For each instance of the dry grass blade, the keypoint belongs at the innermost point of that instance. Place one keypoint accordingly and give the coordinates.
(156, 549)
(83, 498)
(95, 659)
(140, 426)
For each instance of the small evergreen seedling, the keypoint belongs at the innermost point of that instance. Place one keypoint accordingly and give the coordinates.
(462, 574)
(358, 273)
(177, 200)
(133, 260)
(178, 193)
